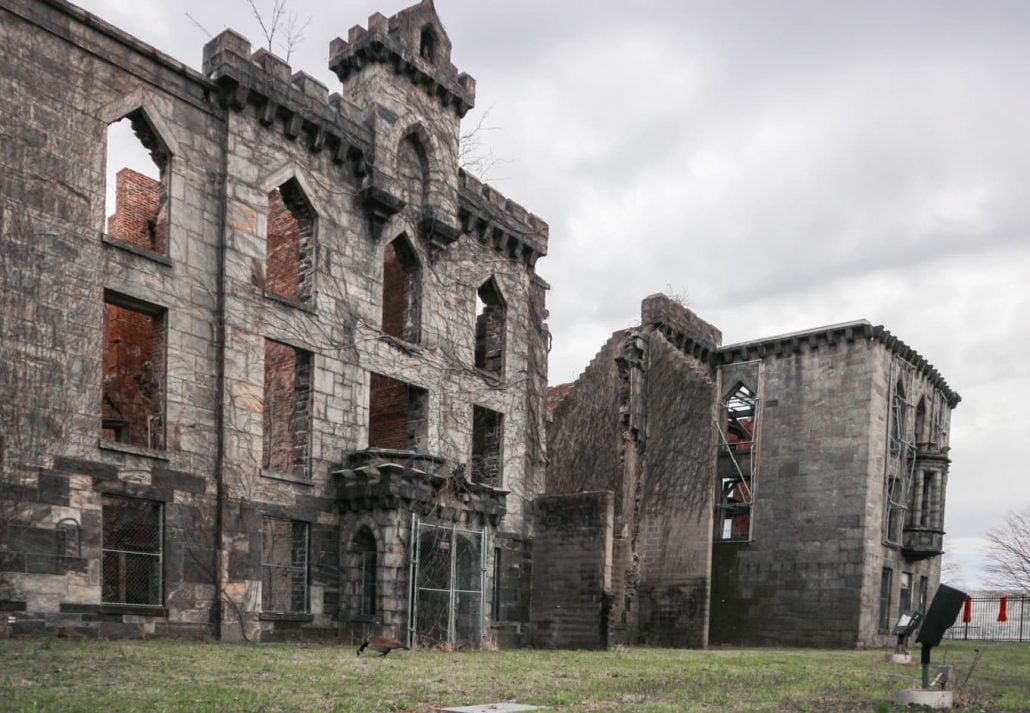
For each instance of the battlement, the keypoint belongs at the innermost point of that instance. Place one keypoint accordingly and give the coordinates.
(845, 332)
(413, 42)
(680, 325)
(301, 104)
(491, 218)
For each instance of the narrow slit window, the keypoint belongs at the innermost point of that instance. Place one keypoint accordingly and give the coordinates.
(132, 398)
(397, 415)
(402, 291)
(487, 436)
(490, 326)
(136, 199)
(290, 243)
(287, 398)
(367, 561)
(885, 599)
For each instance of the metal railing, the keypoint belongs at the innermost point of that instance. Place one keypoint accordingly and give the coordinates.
(983, 624)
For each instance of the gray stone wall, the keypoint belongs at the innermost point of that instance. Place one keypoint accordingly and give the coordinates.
(66, 79)
(674, 520)
(812, 571)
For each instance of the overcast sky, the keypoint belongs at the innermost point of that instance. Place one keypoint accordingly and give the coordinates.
(778, 165)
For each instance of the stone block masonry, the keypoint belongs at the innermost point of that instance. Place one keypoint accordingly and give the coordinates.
(572, 570)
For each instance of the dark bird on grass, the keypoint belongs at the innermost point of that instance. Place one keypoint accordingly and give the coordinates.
(381, 644)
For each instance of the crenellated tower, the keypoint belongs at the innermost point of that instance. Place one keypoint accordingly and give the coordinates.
(398, 71)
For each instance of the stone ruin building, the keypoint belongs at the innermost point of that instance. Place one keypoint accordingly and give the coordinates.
(292, 383)
(783, 491)
(285, 376)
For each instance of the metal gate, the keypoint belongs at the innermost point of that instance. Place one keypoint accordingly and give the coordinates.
(447, 571)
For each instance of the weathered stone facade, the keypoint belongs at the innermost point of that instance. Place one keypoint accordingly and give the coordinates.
(262, 260)
(640, 423)
(828, 452)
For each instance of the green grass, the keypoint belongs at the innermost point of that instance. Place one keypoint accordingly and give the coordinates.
(111, 676)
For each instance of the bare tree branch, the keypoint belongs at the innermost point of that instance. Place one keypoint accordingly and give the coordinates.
(1008, 554)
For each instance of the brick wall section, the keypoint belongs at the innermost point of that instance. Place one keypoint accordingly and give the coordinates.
(282, 275)
(397, 414)
(133, 368)
(572, 558)
(138, 217)
(401, 292)
(287, 397)
(490, 324)
(674, 521)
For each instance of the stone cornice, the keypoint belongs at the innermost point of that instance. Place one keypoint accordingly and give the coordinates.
(387, 479)
(500, 222)
(847, 332)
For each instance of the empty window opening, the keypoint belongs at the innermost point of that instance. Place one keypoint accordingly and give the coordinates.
(413, 172)
(740, 409)
(290, 242)
(921, 435)
(132, 551)
(885, 599)
(487, 434)
(905, 594)
(402, 291)
(490, 322)
(287, 400)
(364, 548)
(284, 565)
(901, 492)
(397, 415)
(427, 44)
(136, 200)
(132, 399)
(737, 464)
(735, 509)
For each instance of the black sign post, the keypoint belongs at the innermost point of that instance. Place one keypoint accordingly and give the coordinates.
(944, 609)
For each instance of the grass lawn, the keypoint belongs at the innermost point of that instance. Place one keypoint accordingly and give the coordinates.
(79, 675)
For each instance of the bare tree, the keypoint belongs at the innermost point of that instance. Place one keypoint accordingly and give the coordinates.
(474, 155)
(1008, 554)
(283, 21)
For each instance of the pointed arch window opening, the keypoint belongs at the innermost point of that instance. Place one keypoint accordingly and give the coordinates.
(491, 321)
(290, 243)
(402, 291)
(427, 45)
(136, 183)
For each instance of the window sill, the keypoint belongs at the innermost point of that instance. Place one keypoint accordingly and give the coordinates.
(134, 609)
(278, 475)
(295, 304)
(402, 344)
(132, 450)
(491, 376)
(285, 616)
(128, 247)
